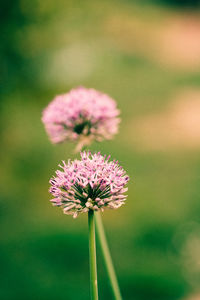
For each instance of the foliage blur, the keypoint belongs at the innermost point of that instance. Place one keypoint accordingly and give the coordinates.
(146, 55)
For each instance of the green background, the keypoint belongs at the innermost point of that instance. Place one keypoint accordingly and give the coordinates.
(48, 47)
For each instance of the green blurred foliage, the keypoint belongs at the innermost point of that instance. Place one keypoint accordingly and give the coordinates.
(48, 47)
(181, 3)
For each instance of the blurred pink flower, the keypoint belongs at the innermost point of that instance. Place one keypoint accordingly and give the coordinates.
(81, 115)
(93, 182)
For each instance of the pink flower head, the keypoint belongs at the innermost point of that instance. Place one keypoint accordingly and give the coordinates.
(93, 182)
(81, 115)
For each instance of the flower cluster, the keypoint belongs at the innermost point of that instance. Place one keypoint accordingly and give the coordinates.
(93, 182)
(81, 115)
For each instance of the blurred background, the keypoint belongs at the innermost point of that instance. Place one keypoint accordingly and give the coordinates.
(146, 55)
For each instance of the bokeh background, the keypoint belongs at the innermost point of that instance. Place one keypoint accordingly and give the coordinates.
(146, 55)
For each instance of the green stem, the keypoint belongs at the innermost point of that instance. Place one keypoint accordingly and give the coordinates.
(92, 256)
(107, 257)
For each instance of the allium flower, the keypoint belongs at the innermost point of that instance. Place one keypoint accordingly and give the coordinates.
(93, 182)
(81, 115)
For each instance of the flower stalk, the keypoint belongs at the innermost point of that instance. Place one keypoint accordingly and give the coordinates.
(107, 257)
(92, 256)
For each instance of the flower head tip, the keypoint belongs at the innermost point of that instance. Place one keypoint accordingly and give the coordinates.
(81, 115)
(93, 182)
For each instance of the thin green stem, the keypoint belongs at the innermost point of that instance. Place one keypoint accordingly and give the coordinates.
(92, 256)
(107, 257)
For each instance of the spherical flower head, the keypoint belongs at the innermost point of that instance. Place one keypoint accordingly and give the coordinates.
(93, 183)
(81, 115)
